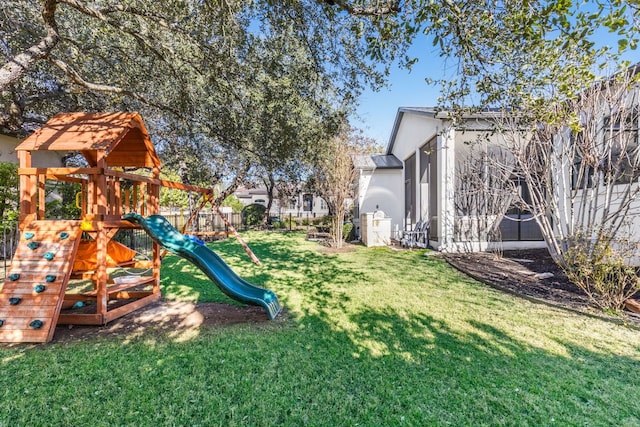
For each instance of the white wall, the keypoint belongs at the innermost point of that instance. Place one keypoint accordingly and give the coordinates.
(39, 159)
(383, 188)
(320, 208)
(414, 130)
(7, 149)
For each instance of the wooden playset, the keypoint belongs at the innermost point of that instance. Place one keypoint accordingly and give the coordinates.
(35, 297)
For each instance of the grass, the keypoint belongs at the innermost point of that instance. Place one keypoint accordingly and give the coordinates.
(372, 337)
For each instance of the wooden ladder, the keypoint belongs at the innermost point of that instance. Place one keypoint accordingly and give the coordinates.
(34, 288)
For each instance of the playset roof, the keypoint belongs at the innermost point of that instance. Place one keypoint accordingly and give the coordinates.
(122, 136)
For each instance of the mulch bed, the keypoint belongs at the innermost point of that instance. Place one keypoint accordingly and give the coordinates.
(172, 318)
(531, 274)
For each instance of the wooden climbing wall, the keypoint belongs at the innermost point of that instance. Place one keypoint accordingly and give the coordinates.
(34, 288)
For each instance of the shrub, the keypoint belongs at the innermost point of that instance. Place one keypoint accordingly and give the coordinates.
(290, 223)
(64, 204)
(602, 272)
(348, 231)
(8, 190)
(253, 214)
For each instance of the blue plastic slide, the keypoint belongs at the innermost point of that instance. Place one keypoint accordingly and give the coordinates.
(163, 233)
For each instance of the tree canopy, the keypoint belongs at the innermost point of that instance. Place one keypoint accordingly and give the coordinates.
(261, 82)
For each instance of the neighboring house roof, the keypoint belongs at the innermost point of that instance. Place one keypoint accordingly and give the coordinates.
(386, 161)
(376, 161)
(243, 192)
(122, 136)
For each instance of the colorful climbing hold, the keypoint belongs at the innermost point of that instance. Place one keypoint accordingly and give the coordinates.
(14, 300)
(48, 256)
(39, 288)
(78, 304)
(14, 276)
(36, 324)
(64, 235)
(33, 245)
(50, 278)
(28, 235)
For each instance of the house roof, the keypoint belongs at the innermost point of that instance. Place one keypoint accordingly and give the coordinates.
(376, 161)
(122, 136)
(434, 113)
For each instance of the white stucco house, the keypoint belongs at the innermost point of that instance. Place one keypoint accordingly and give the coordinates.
(7, 148)
(8, 144)
(379, 188)
(415, 181)
(302, 205)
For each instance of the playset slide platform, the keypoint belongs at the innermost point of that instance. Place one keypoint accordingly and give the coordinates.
(163, 233)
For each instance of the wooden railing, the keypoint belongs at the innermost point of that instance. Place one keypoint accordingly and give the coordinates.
(105, 193)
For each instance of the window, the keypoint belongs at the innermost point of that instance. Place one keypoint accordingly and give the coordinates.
(323, 205)
(519, 224)
(307, 202)
(621, 163)
(410, 189)
(614, 158)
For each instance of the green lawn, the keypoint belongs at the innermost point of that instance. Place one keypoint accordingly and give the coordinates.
(371, 338)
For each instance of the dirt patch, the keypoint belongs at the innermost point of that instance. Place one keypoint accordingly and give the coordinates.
(171, 318)
(531, 274)
(328, 249)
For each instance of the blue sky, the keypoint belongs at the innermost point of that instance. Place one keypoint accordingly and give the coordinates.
(406, 88)
(377, 110)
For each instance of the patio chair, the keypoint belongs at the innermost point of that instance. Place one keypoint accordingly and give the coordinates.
(418, 237)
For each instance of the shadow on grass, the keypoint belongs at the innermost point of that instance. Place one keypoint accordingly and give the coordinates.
(387, 366)
(427, 372)
(390, 370)
(313, 274)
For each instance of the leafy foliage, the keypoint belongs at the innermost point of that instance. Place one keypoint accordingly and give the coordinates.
(63, 203)
(252, 214)
(234, 203)
(8, 191)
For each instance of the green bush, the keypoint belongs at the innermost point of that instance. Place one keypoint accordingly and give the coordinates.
(348, 231)
(252, 215)
(8, 190)
(64, 205)
(601, 272)
(290, 223)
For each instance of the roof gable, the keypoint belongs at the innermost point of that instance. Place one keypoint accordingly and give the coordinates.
(122, 136)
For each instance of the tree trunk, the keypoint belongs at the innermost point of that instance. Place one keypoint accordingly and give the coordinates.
(15, 67)
(337, 228)
(271, 185)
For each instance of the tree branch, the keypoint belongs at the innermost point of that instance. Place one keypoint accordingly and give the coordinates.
(233, 186)
(97, 87)
(15, 67)
(386, 8)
